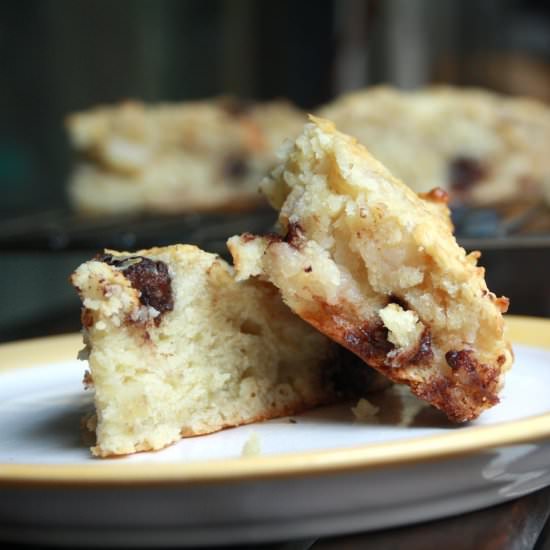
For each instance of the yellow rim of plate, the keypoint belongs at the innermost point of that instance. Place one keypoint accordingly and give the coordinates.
(521, 330)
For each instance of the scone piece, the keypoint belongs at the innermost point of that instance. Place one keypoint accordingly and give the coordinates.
(168, 158)
(369, 263)
(483, 148)
(176, 347)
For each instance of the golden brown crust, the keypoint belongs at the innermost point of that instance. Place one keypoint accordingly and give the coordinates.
(468, 388)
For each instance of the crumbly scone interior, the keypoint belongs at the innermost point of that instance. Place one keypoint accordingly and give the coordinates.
(374, 266)
(224, 354)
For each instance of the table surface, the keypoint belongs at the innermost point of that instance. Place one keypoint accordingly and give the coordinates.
(521, 524)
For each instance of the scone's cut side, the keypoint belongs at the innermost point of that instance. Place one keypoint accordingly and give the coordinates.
(374, 266)
(176, 347)
(169, 158)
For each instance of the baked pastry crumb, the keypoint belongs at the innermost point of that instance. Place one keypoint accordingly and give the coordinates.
(364, 410)
(252, 446)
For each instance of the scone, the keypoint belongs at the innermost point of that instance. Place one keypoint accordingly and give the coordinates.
(169, 158)
(176, 347)
(376, 268)
(483, 148)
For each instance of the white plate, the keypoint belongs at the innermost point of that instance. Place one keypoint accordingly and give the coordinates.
(324, 474)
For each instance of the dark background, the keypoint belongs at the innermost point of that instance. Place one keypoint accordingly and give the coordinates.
(58, 56)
